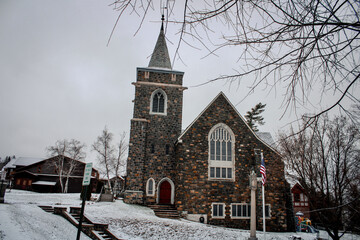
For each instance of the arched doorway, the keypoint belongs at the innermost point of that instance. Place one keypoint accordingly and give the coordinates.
(165, 192)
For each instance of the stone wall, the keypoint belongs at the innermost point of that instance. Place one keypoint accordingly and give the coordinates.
(152, 136)
(133, 197)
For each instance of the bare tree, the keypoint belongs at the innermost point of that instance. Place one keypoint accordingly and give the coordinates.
(299, 45)
(76, 154)
(324, 159)
(120, 161)
(58, 151)
(72, 149)
(105, 152)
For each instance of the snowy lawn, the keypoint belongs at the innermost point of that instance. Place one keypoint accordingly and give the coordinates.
(20, 218)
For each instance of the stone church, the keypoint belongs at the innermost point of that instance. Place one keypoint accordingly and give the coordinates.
(203, 171)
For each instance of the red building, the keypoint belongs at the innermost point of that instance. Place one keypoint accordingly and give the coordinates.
(300, 200)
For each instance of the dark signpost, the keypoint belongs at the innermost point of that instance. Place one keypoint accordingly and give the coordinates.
(86, 183)
(2, 187)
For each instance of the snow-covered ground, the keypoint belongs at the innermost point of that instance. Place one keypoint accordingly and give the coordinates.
(21, 218)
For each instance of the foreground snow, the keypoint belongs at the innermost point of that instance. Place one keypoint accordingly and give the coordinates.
(20, 218)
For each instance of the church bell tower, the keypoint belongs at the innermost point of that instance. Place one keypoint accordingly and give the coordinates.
(155, 126)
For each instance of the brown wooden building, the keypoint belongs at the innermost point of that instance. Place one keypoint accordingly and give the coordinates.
(44, 176)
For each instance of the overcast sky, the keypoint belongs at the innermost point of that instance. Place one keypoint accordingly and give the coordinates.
(58, 79)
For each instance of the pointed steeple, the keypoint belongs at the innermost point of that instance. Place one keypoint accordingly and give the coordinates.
(160, 56)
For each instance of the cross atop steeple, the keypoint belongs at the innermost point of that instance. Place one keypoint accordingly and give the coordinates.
(162, 22)
(160, 56)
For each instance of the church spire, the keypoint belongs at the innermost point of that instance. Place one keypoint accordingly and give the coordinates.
(160, 56)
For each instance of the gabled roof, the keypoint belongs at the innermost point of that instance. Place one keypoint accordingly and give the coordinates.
(221, 94)
(266, 137)
(51, 158)
(22, 161)
(160, 56)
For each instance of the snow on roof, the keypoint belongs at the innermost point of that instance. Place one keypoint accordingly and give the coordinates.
(22, 161)
(10, 164)
(47, 183)
(266, 137)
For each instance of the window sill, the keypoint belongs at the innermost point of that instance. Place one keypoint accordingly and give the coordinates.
(156, 113)
(240, 218)
(221, 180)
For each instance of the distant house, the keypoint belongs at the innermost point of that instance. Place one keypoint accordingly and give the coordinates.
(117, 184)
(16, 163)
(43, 176)
(300, 200)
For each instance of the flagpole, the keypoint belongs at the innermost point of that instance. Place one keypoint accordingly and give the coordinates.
(263, 201)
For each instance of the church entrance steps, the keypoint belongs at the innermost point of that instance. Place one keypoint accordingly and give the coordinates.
(96, 231)
(165, 211)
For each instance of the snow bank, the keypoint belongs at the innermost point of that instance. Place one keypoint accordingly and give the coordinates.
(20, 218)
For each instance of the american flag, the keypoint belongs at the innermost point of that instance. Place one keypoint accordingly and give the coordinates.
(263, 170)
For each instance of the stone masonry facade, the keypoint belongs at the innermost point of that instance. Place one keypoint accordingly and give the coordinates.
(152, 136)
(195, 192)
(167, 166)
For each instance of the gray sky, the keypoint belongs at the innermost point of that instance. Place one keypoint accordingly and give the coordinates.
(58, 79)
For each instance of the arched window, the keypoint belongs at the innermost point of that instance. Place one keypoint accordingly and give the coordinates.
(150, 187)
(221, 152)
(158, 102)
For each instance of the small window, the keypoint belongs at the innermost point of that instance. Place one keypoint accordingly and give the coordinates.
(296, 197)
(240, 210)
(218, 210)
(150, 187)
(147, 74)
(152, 149)
(267, 211)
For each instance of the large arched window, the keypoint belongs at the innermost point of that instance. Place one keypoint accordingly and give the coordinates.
(221, 152)
(158, 102)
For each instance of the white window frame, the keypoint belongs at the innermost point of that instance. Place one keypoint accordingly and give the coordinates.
(223, 210)
(242, 213)
(214, 166)
(148, 193)
(165, 102)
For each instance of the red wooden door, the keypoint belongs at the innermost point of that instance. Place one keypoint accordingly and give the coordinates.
(165, 193)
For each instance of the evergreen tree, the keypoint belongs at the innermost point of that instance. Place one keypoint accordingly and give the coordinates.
(253, 117)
